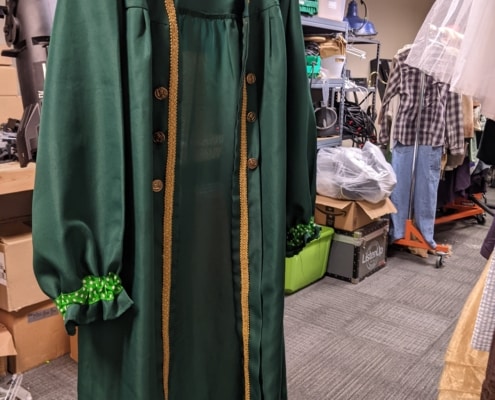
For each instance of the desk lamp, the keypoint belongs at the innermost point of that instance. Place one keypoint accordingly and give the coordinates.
(357, 25)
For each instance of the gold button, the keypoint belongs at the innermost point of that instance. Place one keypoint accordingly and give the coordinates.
(251, 116)
(250, 78)
(161, 93)
(157, 185)
(158, 137)
(252, 163)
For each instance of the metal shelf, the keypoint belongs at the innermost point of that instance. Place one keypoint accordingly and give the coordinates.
(324, 23)
(330, 141)
(370, 89)
(314, 25)
(361, 40)
(330, 83)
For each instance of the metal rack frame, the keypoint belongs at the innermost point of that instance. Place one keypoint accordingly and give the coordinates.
(315, 25)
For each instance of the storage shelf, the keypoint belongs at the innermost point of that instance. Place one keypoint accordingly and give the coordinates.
(362, 40)
(370, 89)
(14, 179)
(330, 83)
(314, 25)
(323, 23)
(330, 141)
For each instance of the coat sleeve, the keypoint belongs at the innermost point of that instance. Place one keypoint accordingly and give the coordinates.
(392, 90)
(78, 202)
(454, 123)
(301, 138)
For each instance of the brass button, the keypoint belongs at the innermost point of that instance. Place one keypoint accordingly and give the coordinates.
(251, 116)
(157, 185)
(250, 78)
(158, 137)
(161, 93)
(252, 163)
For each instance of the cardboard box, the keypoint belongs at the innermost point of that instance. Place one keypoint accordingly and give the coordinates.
(356, 255)
(39, 335)
(9, 82)
(331, 9)
(15, 179)
(4, 60)
(10, 107)
(7, 348)
(15, 206)
(18, 285)
(350, 215)
(310, 264)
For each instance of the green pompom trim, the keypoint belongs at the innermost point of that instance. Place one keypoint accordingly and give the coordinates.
(300, 235)
(94, 289)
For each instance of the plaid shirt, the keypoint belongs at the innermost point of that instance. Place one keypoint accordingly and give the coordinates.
(442, 121)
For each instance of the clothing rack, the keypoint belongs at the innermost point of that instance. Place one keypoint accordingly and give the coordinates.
(465, 208)
(412, 236)
(472, 201)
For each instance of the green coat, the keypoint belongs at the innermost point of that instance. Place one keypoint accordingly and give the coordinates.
(175, 171)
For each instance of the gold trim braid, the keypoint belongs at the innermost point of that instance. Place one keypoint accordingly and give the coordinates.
(244, 243)
(169, 188)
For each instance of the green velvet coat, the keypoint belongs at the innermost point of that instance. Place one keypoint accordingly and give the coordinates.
(175, 171)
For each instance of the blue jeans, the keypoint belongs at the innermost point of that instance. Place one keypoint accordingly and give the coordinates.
(424, 203)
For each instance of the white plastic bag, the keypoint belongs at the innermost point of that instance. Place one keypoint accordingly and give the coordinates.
(354, 174)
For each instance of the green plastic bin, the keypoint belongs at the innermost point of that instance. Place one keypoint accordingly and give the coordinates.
(308, 7)
(313, 66)
(310, 264)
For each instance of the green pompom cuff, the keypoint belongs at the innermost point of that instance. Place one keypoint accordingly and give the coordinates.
(300, 235)
(94, 289)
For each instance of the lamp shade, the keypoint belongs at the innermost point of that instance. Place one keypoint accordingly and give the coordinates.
(357, 25)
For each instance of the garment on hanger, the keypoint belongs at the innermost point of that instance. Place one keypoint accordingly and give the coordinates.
(441, 127)
(442, 121)
(455, 183)
(473, 73)
(486, 147)
(425, 190)
(464, 367)
(468, 115)
(454, 45)
(175, 171)
(489, 241)
(485, 318)
(488, 385)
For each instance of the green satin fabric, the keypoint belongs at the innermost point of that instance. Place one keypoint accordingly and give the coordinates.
(94, 211)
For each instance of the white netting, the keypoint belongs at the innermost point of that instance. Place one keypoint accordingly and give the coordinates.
(439, 40)
(454, 46)
(474, 73)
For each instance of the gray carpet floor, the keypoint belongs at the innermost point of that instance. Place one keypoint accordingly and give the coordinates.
(382, 338)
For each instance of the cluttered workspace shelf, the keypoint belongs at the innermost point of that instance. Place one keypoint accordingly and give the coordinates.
(15, 179)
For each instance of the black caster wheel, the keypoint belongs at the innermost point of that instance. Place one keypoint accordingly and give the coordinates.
(481, 219)
(439, 262)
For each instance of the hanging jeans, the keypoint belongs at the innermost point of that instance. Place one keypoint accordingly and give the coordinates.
(425, 191)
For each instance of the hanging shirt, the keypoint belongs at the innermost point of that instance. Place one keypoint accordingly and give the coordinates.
(441, 122)
(175, 171)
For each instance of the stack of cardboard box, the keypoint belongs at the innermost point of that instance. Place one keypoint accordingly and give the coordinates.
(32, 330)
(33, 321)
(10, 99)
(359, 245)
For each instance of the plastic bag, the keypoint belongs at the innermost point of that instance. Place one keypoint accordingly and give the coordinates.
(354, 174)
